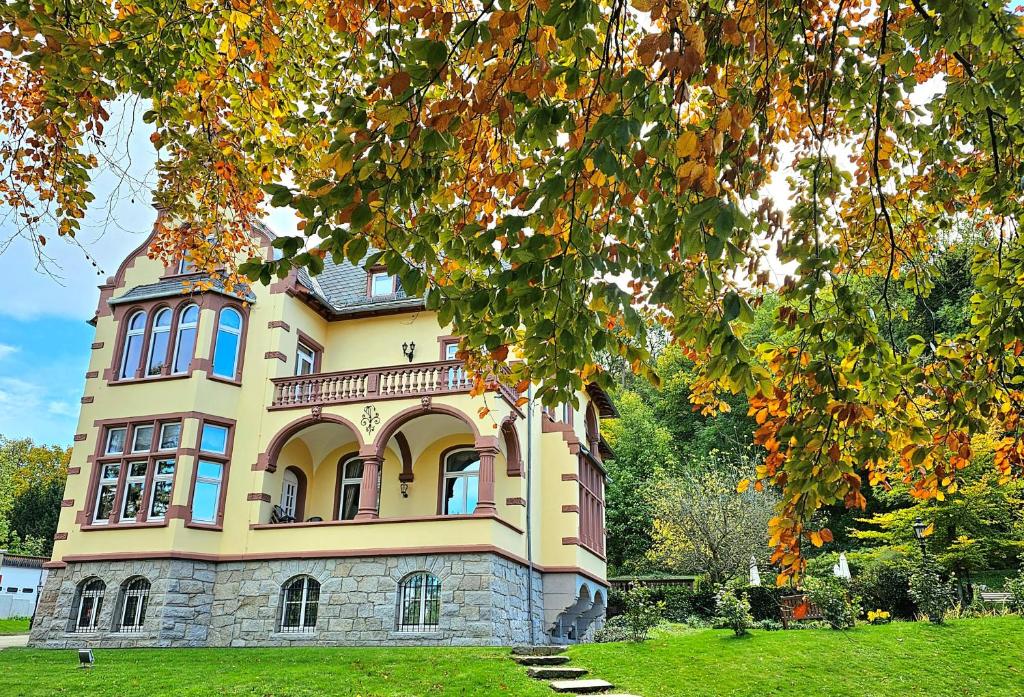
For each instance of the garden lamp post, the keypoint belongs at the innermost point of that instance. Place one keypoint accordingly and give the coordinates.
(919, 529)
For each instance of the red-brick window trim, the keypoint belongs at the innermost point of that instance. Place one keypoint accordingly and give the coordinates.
(591, 505)
(208, 490)
(134, 472)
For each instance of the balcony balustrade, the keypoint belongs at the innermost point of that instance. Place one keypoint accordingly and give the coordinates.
(392, 382)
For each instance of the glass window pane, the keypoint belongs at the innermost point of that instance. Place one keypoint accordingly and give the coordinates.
(454, 493)
(138, 321)
(158, 351)
(210, 470)
(142, 440)
(106, 501)
(137, 469)
(170, 436)
(450, 350)
(132, 355)
(382, 284)
(349, 501)
(231, 319)
(132, 500)
(472, 493)
(165, 467)
(204, 502)
(115, 441)
(215, 439)
(161, 499)
(224, 354)
(354, 469)
(185, 350)
(463, 461)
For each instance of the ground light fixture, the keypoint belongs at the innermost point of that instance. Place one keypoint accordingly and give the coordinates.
(919, 532)
(85, 658)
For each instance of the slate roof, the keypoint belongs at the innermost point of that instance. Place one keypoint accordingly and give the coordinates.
(342, 287)
(172, 287)
(20, 561)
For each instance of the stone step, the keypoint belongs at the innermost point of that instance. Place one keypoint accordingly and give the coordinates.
(581, 687)
(541, 660)
(556, 672)
(538, 650)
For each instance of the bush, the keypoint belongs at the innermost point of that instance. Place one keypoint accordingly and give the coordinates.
(642, 612)
(884, 583)
(933, 595)
(734, 610)
(613, 630)
(680, 602)
(1015, 587)
(834, 598)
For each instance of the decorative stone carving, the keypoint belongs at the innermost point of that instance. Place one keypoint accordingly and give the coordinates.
(317, 412)
(425, 401)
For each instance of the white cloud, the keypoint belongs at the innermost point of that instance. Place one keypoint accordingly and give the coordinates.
(60, 408)
(6, 350)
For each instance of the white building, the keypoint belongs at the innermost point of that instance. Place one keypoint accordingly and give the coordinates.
(20, 581)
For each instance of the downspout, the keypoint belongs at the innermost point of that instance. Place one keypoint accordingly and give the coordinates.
(529, 500)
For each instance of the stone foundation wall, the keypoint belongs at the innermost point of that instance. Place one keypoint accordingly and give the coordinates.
(192, 603)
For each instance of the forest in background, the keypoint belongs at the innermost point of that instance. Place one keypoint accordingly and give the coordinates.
(672, 502)
(31, 488)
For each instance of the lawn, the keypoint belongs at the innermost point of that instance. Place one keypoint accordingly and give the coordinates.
(15, 625)
(963, 657)
(406, 672)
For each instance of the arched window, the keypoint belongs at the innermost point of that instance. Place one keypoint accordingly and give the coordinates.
(89, 605)
(419, 603)
(299, 600)
(290, 493)
(159, 339)
(461, 482)
(227, 343)
(185, 341)
(134, 600)
(350, 470)
(133, 338)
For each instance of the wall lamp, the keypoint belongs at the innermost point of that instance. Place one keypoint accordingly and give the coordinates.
(409, 349)
(405, 490)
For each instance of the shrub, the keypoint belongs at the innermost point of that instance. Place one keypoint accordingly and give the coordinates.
(834, 598)
(642, 613)
(765, 602)
(616, 603)
(678, 603)
(613, 630)
(933, 595)
(1015, 587)
(734, 610)
(879, 617)
(884, 583)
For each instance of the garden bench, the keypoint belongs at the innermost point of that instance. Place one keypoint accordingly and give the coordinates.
(990, 597)
(795, 608)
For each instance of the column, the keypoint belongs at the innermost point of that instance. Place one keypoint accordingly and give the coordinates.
(368, 487)
(485, 496)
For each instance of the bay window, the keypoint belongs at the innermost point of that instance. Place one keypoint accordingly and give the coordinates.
(210, 475)
(134, 337)
(134, 482)
(227, 344)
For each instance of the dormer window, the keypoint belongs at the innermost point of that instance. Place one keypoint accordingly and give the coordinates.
(381, 284)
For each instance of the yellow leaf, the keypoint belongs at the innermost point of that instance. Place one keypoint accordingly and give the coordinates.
(686, 144)
(743, 486)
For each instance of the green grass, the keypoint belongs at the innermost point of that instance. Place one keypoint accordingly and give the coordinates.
(15, 625)
(398, 672)
(963, 657)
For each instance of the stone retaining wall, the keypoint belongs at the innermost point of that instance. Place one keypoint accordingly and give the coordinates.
(194, 603)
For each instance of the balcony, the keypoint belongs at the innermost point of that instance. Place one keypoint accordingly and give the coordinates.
(373, 384)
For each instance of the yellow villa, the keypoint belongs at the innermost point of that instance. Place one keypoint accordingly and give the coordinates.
(303, 463)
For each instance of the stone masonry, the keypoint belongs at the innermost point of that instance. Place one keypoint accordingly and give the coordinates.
(195, 603)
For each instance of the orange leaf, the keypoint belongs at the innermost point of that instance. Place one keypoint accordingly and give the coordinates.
(801, 610)
(826, 534)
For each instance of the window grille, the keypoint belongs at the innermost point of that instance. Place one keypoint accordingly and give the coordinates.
(419, 603)
(90, 603)
(300, 599)
(133, 608)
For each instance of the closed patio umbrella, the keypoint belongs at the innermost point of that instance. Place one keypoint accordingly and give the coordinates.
(755, 575)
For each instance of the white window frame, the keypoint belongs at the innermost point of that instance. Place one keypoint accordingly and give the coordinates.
(347, 481)
(110, 437)
(289, 493)
(218, 481)
(128, 336)
(460, 475)
(221, 327)
(129, 480)
(154, 331)
(135, 431)
(375, 277)
(164, 427)
(166, 477)
(304, 601)
(96, 595)
(182, 327)
(305, 356)
(139, 615)
(103, 482)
